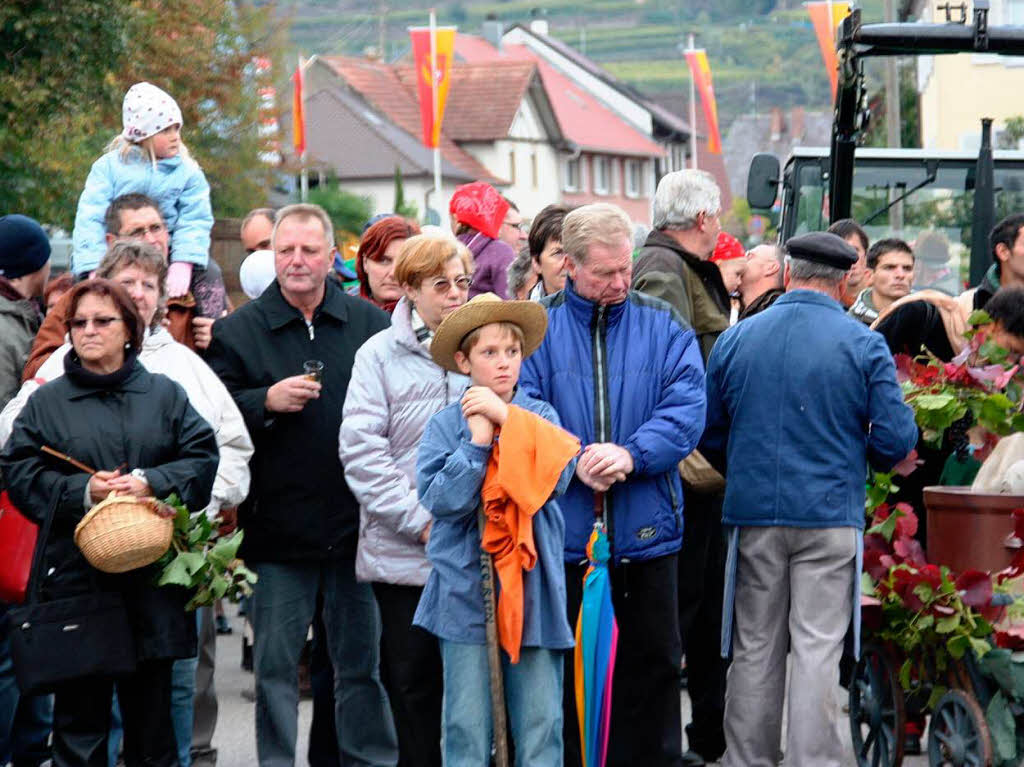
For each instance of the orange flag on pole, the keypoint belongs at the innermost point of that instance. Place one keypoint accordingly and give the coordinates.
(825, 16)
(700, 70)
(298, 113)
(433, 75)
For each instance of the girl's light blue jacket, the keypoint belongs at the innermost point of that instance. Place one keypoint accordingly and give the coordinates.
(177, 185)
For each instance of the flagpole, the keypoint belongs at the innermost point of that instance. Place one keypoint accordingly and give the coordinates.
(304, 182)
(693, 113)
(434, 97)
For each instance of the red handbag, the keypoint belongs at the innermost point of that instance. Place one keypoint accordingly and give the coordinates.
(17, 544)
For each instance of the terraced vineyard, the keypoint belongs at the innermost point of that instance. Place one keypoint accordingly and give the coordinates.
(758, 60)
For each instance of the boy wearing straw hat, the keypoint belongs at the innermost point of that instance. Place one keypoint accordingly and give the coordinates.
(502, 455)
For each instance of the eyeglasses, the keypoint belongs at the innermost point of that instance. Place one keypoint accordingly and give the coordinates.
(443, 285)
(101, 323)
(515, 225)
(142, 231)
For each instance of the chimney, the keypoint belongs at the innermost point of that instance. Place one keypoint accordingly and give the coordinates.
(493, 30)
(777, 125)
(539, 26)
(796, 124)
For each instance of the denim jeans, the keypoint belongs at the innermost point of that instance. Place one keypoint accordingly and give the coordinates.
(183, 685)
(284, 600)
(25, 722)
(533, 698)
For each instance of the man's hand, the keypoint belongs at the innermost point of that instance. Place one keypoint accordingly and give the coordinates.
(425, 535)
(99, 484)
(202, 331)
(479, 400)
(290, 395)
(602, 464)
(481, 430)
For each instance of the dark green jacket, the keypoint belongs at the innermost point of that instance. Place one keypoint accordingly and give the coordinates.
(694, 287)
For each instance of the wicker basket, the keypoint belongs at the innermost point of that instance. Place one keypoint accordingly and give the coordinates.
(122, 533)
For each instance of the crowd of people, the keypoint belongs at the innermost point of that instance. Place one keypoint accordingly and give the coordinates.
(489, 389)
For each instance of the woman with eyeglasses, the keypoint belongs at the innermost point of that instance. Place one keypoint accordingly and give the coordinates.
(139, 268)
(140, 433)
(395, 388)
(375, 260)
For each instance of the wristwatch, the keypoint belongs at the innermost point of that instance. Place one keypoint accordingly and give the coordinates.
(140, 475)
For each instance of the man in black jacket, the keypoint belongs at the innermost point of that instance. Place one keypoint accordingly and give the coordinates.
(301, 531)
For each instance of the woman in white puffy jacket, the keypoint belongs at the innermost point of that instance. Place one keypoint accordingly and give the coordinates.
(395, 389)
(141, 269)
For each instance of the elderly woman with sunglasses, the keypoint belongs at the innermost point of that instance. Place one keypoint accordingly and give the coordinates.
(145, 439)
(395, 388)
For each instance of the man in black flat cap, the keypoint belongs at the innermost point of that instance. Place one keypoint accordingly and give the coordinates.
(800, 398)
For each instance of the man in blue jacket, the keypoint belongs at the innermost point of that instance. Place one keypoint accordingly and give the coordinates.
(624, 373)
(800, 398)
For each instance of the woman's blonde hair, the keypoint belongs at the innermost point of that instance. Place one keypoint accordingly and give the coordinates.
(425, 255)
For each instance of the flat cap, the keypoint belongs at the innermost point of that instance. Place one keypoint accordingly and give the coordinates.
(822, 248)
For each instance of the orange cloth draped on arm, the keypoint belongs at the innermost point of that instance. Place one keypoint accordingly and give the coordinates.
(523, 470)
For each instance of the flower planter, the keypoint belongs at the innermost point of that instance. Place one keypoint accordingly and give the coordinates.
(970, 531)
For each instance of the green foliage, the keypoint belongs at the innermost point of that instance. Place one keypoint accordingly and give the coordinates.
(403, 207)
(1012, 133)
(910, 119)
(202, 561)
(348, 211)
(57, 62)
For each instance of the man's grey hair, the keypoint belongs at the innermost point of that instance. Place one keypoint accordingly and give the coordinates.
(683, 195)
(600, 223)
(304, 210)
(802, 270)
(518, 271)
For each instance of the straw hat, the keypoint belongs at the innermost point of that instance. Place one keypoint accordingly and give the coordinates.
(482, 310)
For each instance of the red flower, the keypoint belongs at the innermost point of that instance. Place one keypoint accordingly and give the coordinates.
(1012, 638)
(975, 588)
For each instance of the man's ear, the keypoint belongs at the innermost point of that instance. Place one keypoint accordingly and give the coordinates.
(462, 363)
(786, 277)
(1002, 252)
(110, 239)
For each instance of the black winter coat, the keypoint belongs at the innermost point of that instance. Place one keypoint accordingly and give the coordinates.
(143, 421)
(301, 507)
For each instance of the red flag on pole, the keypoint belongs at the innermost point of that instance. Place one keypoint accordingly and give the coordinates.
(825, 31)
(700, 70)
(432, 77)
(298, 113)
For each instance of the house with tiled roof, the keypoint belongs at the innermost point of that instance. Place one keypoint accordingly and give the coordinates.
(498, 127)
(361, 124)
(607, 158)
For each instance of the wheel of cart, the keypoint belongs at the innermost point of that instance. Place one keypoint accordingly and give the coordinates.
(877, 709)
(958, 735)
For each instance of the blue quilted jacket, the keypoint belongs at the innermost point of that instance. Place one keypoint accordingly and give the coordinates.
(177, 185)
(631, 374)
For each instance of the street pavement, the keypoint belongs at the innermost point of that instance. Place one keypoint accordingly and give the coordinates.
(236, 742)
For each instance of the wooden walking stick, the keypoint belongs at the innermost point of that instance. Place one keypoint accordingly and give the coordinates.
(498, 714)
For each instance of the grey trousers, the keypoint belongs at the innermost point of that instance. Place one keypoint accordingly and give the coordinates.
(794, 589)
(204, 720)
